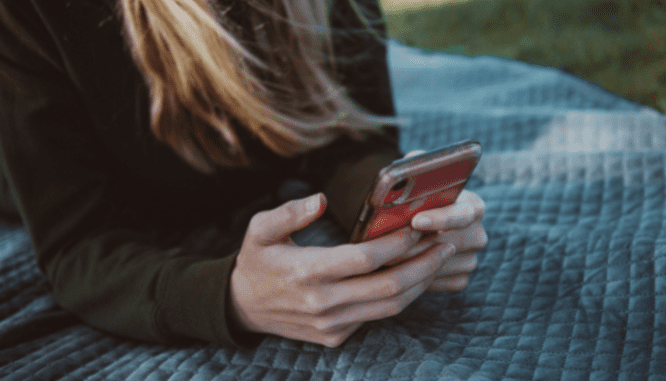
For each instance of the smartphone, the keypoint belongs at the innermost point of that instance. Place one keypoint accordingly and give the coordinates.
(408, 186)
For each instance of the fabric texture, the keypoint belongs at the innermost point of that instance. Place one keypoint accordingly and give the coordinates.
(571, 286)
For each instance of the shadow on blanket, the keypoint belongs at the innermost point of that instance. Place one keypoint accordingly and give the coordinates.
(572, 284)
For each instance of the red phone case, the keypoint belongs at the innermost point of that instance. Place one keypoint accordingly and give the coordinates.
(411, 185)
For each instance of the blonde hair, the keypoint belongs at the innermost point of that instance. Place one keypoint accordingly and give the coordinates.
(275, 78)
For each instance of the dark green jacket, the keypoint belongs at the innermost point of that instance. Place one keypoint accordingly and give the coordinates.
(134, 241)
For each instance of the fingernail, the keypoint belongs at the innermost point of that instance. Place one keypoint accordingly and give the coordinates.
(313, 203)
(422, 222)
(415, 235)
(448, 251)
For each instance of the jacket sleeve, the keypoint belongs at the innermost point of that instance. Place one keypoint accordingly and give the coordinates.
(107, 262)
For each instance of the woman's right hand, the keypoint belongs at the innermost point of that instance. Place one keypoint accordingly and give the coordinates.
(321, 294)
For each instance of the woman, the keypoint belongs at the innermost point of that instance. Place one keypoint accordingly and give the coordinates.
(146, 141)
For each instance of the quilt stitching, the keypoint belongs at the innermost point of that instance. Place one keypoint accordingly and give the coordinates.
(572, 284)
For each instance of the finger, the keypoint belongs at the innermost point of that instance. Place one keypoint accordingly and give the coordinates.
(453, 283)
(473, 198)
(275, 225)
(362, 258)
(384, 284)
(388, 283)
(317, 330)
(465, 211)
(458, 264)
(417, 249)
(374, 310)
(340, 308)
(339, 335)
(473, 238)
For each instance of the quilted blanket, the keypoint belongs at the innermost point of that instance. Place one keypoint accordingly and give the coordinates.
(572, 284)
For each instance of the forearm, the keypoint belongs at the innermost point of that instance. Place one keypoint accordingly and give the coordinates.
(122, 283)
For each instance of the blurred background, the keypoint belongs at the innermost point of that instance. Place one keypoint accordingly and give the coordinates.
(618, 45)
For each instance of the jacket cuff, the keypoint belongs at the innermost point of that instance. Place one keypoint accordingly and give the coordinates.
(195, 303)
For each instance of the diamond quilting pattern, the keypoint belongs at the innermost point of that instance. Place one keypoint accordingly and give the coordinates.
(571, 286)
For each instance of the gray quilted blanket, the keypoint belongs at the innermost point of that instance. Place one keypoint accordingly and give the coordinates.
(572, 285)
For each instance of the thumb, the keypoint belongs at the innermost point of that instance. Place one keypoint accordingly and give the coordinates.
(274, 226)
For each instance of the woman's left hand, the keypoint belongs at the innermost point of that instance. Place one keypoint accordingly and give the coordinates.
(461, 225)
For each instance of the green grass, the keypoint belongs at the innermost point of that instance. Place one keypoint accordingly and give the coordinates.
(619, 45)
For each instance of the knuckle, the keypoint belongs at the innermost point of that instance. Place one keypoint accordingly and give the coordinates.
(483, 240)
(474, 262)
(474, 197)
(301, 272)
(242, 262)
(313, 304)
(256, 221)
(394, 308)
(479, 212)
(291, 211)
(460, 283)
(446, 221)
(481, 206)
(334, 341)
(434, 264)
(364, 261)
(470, 213)
(390, 287)
(323, 324)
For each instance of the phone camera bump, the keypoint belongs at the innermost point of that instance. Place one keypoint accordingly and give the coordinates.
(396, 191)
(399, 185)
